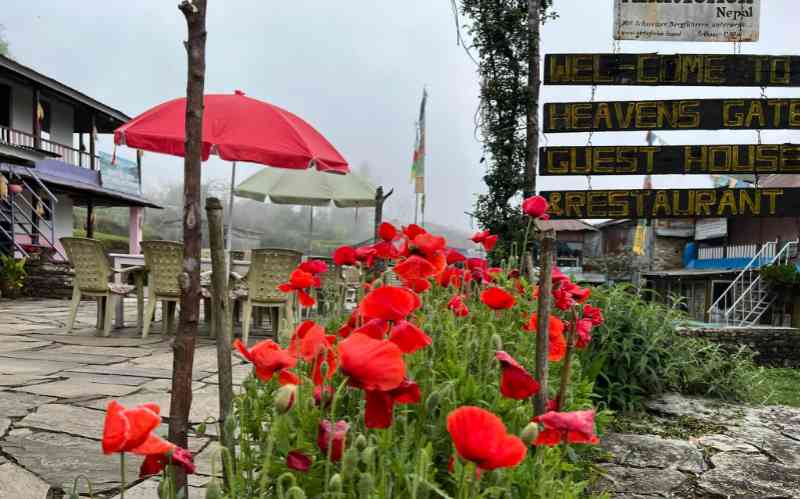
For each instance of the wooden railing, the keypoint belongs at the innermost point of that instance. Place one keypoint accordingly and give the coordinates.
(66, 153)
(733, 251)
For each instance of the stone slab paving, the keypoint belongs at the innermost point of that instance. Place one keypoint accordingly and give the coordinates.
(746, 452)
(18, 483)
(74, 388)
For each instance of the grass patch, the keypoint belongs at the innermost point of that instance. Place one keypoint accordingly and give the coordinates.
(780, 387)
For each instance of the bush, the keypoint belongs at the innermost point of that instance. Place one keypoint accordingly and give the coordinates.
(638, 354)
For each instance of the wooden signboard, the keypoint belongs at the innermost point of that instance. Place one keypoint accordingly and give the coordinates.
(685, 114)
(673, 203)
(657, 160)
(674, 70)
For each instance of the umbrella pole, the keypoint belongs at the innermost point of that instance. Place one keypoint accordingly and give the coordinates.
(310, 228)
(229, 235)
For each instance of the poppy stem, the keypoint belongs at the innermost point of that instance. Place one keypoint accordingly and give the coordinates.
(567, 367)
(332, 434)
(122, 474)
(524, 248)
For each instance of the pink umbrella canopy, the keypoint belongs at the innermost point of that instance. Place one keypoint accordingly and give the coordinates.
(235, 128)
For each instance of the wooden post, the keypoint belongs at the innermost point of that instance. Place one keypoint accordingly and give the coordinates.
(37, 125)
(532, 107)
(548, 247)
(183, 346)
(378, 209)
(90, 218)
(135, 229)
(220, 306)
(92, 144)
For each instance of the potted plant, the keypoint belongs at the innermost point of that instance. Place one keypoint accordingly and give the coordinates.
(12, 276)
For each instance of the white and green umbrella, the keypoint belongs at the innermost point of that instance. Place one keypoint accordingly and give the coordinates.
(308, 188)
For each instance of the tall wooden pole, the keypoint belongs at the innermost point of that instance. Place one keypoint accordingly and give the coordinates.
(534, 84)
(378, 210)
(183, 346)
(548, 248)
(220, 307)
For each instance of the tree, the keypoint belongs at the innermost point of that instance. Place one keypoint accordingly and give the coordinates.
(3, 43)
(507, 39)
(183, 347)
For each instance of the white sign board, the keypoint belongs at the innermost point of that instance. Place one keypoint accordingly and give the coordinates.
(710, 228)
(687, 20)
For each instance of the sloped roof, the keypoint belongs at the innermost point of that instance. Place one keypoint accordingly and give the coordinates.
(566, 225)
(779, 181)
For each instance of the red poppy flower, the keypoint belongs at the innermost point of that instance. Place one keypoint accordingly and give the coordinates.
(457, 305)
(387, 231)
(557, 343)
(389, 303)
(454, 256)
(558, 276)
(379, 408)
(429, 244)
(478, 237)
(571, 427)
(451, 276)
(372, 364)
(344, 255)
(298, 461)
(481, 437)
(374, 328)
(287, 377)
(366, 255)
(593, 314)
(299, 281)
(578, 294)
(414, 267)
(498, 299)
(409, 337)
(584, 333)
(535, 206)
(487, 240)
(515, 382)
(154, 464)
(314, 267)
(333, 435)
(267, 357)
(418, 285)
(323, 396)
(386, 250)
(562, 299)
(413, 230)
(310, 342)
(124, 430)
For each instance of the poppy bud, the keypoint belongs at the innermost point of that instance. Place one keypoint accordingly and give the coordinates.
(498, 341)
(366, 484)
(368, 456)
(295, 493)
(323, 396)
(529, 433)
(433, 402)
(230, 426)
(284, 398)
(361, 442)
(336, 483)
(323, 369)
(350, 462)
(214, 489)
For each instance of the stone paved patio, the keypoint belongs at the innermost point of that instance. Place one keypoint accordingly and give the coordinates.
(54, 388)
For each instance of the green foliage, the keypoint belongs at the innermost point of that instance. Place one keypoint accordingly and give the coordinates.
(111, 243)
(637, 353)
(3, 43)
(410, 459)
(782, 275)
(779, 387)
(12, 274)
(499, 32)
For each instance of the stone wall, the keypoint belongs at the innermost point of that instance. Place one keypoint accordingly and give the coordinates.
(668, 253)
(48, 279)
(775, 347)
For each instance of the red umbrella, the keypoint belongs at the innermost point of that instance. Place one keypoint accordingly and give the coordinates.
(235, 128)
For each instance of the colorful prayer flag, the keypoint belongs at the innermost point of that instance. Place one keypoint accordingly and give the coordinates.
(418, 165)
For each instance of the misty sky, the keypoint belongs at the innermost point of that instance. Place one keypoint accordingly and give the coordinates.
(355, 70)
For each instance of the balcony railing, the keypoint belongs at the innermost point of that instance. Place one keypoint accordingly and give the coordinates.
(66, 153)
(733, 251)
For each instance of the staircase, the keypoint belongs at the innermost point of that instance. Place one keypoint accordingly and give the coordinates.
(748, 297)
(21, 227)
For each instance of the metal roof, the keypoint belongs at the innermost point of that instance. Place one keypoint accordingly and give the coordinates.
(79, 183)
(113, 117)
(566, 226)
